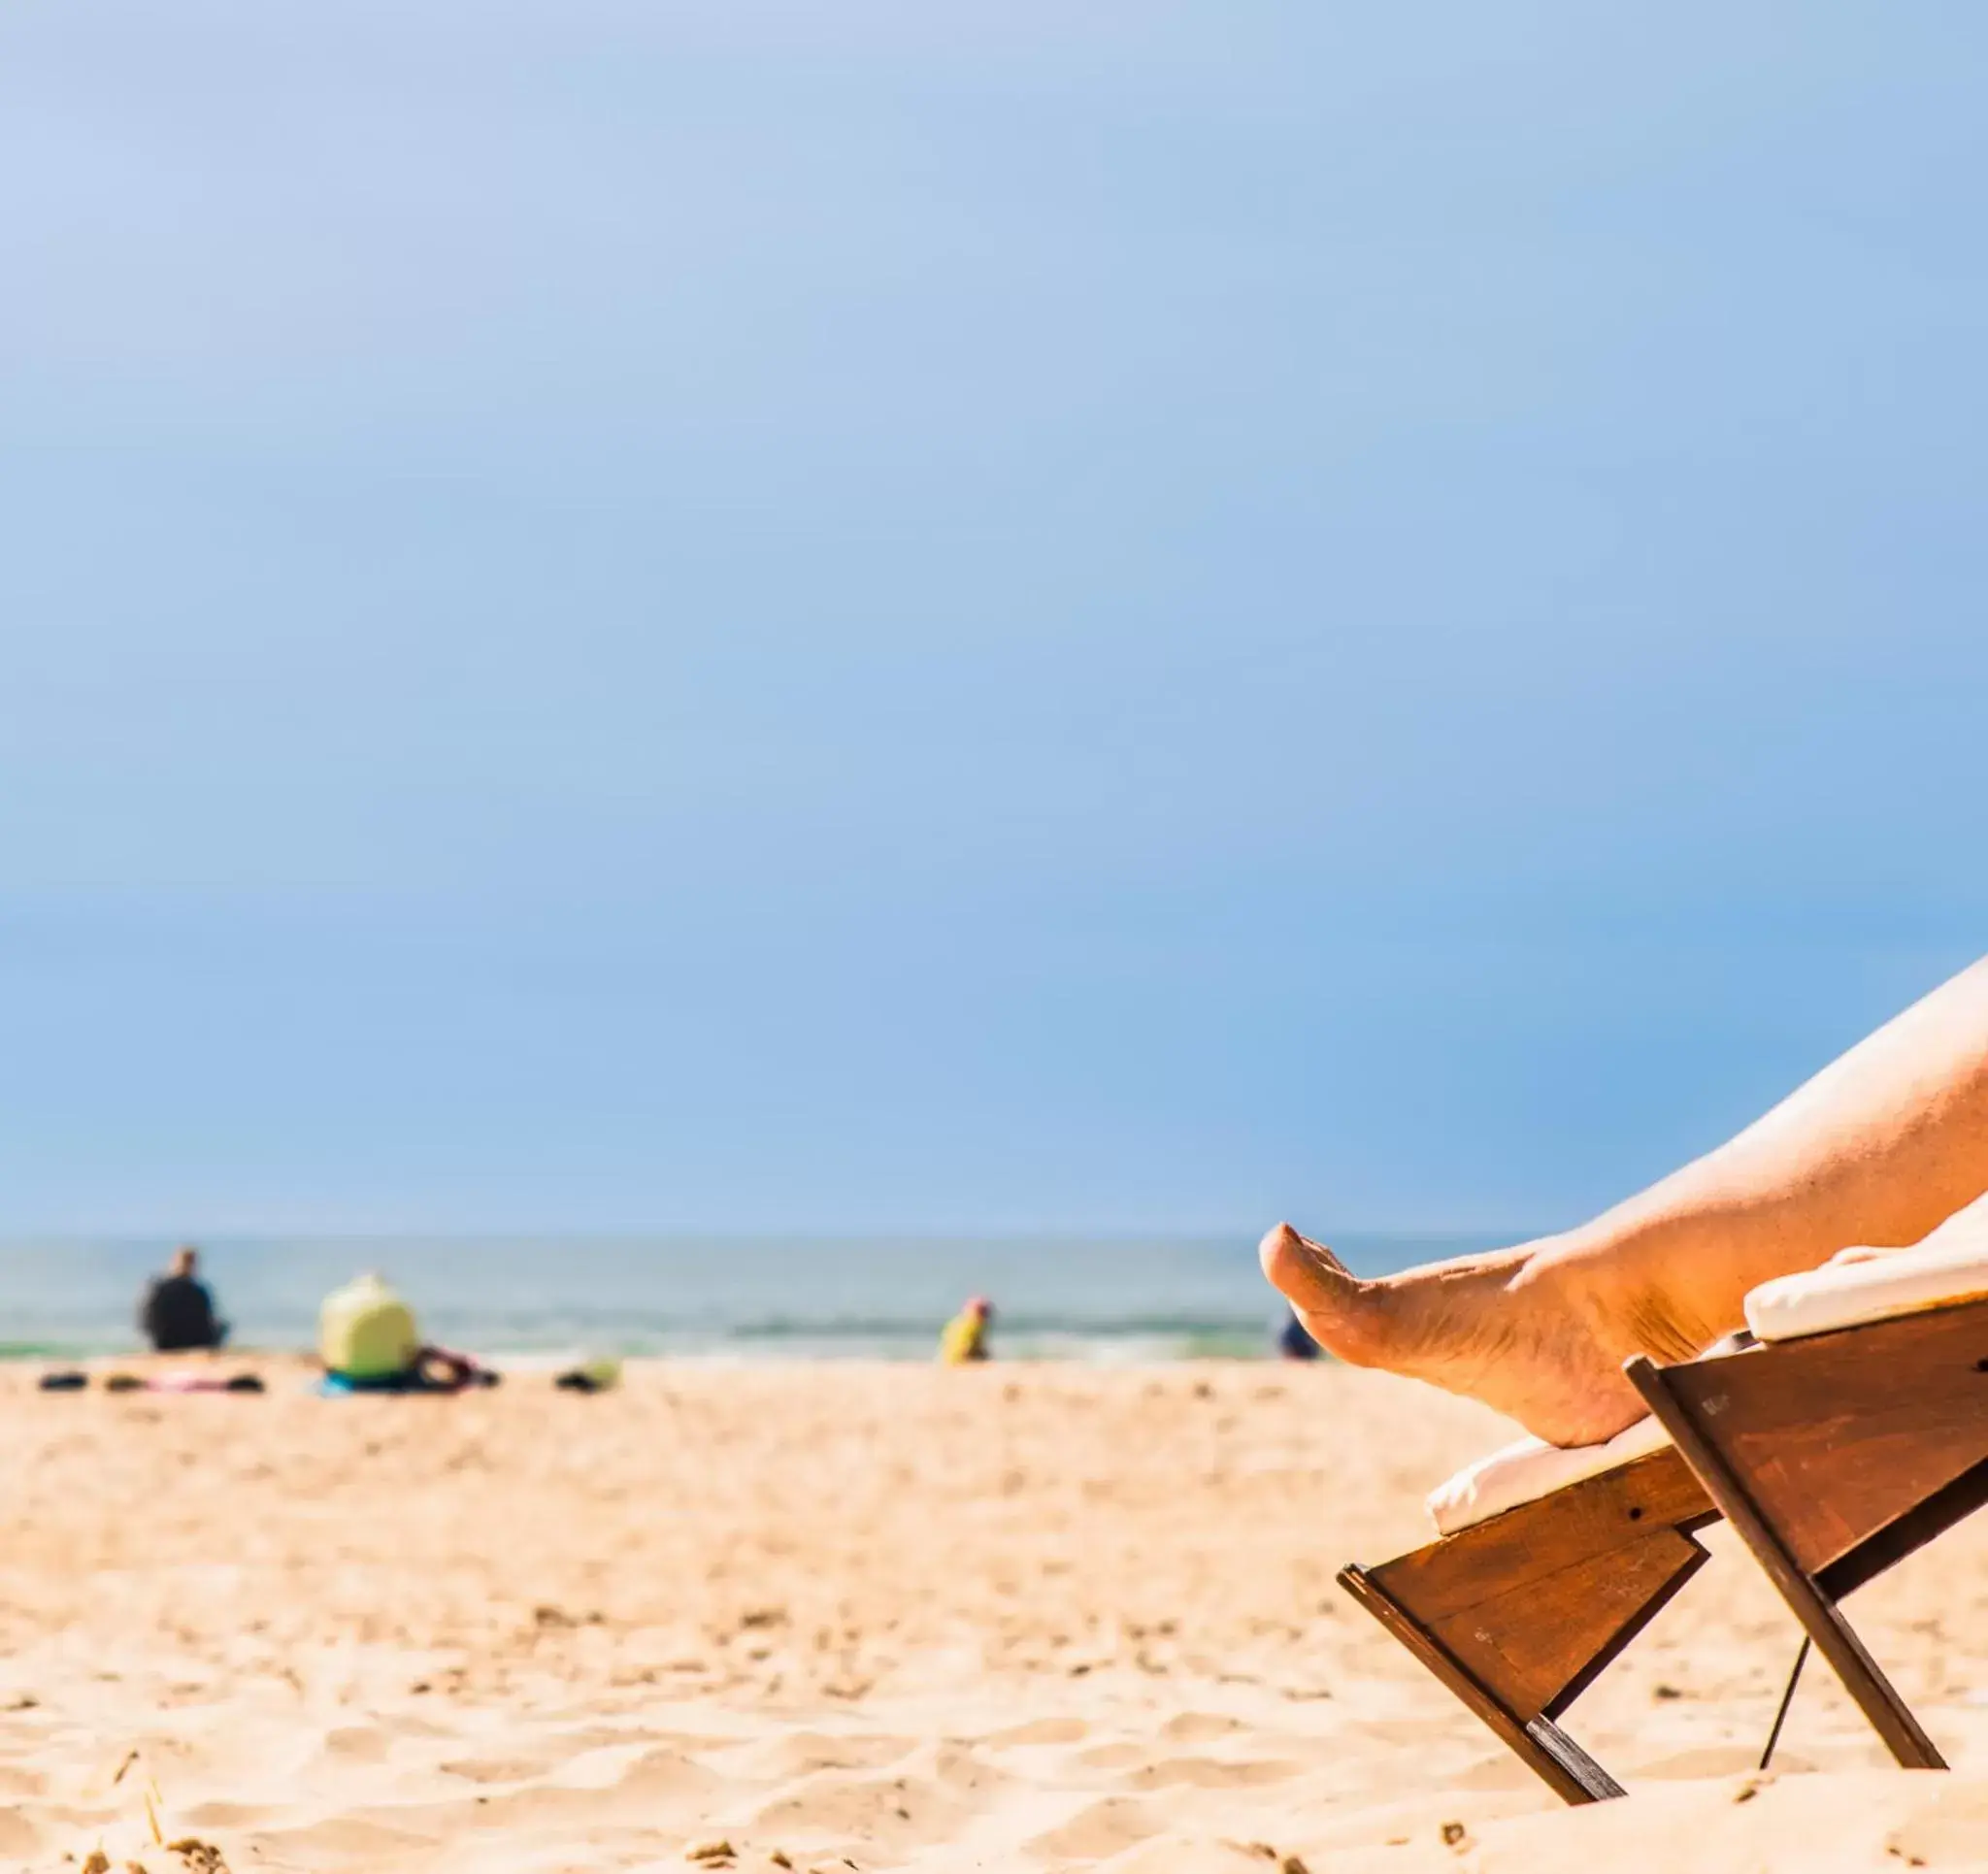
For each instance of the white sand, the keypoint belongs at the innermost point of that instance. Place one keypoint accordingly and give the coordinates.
(1022, 1618)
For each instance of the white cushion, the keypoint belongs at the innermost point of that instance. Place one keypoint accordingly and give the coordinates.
(1525, 1472)
(1892, 1282)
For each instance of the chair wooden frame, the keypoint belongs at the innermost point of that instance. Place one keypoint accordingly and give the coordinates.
(1518, 1615)
(1835, 1457)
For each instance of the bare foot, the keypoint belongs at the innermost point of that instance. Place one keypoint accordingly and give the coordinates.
(1539, 1332)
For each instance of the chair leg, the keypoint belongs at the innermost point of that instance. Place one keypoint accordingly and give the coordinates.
(1835, 1639)
(1546, 1750)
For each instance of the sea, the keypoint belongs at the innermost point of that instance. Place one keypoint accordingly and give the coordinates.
(1085, 1299)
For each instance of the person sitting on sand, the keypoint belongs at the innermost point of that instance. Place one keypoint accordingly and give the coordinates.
(369, 1343)
(1878, 1149)
(176, 1314)
(964, 1337)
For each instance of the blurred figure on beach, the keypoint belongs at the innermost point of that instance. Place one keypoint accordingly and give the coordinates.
(1293, 1342)
(964, 1337)
(176, 1314)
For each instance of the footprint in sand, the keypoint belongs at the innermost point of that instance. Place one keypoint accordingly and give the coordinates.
(206, 1818)
(954, 1765)
(1043, 1731)
(346, 1838)
(1211, 1773)
(1179, 1854)
(659, 1775)
(1098, 1831)
(806, 1752)
(1948, 1833)
(356, 1744)
(496, 1770)
(890, 1811)
(1122, 1755)
(1709, 1760)
(623, 1785)
(1200, 1728)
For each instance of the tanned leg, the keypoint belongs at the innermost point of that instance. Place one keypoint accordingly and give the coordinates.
(1879, 1148)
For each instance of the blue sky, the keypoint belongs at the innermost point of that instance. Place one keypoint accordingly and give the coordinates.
(991, 618)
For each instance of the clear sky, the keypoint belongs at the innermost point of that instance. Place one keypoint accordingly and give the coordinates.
(985, 616)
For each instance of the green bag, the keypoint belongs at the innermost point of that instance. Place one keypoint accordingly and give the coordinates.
(367, 1331)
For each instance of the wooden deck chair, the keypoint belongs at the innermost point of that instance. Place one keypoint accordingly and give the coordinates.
(1854, 1434)
(1551, 1563)
(1853, 1431)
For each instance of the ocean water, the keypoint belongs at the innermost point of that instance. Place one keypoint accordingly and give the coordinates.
(1114, 1299)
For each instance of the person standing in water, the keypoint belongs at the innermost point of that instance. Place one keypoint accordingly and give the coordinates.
(178, 1314)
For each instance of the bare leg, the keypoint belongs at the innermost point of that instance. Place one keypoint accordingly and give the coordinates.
(1879, 1148)
(1965, 1232)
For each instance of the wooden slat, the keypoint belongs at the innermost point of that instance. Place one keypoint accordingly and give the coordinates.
(1517, 1615)
(1536, 1540)
(1538, 1743)
(1730, 1488)
(1537, 1645)
(1840, 1435)
(1892, 1544)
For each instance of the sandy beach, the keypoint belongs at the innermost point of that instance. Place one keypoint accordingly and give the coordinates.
(865, 1617)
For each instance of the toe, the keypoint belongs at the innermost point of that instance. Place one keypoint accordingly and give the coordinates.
(1308, 1275)
(1346, 1316)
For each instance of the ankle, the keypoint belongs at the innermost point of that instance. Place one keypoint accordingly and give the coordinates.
(1631, 1282)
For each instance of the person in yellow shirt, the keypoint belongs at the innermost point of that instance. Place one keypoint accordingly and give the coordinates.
(965, 1338)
